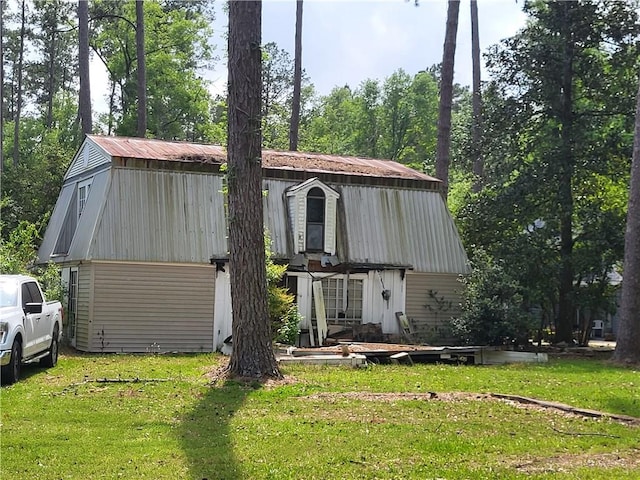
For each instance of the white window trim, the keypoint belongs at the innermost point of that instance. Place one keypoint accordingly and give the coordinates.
(298, 209)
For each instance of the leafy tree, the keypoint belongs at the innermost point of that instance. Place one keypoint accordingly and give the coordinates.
(492, 306)
(332, 125)
(54, 70)
(176, 45)
(395, 120)
(554, 122)
(252, 354)
(31, 188)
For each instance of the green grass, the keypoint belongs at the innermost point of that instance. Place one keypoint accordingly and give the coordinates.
(62, 423)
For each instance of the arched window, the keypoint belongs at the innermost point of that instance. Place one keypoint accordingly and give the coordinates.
(315, 220)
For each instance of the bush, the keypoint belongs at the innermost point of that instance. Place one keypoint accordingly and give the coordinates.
(492, 311)
(285, 319)
(287, 328)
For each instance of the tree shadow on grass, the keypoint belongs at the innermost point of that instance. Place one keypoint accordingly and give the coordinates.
(207, 432)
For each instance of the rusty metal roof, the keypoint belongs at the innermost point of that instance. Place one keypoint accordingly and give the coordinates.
(149, 149)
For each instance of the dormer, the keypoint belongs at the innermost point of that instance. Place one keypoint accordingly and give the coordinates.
(313, 208)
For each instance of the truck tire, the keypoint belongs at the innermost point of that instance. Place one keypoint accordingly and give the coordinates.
(11, 372)
(52, 357)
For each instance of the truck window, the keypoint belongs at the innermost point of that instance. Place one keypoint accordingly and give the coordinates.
(36, 295)
(26, 295)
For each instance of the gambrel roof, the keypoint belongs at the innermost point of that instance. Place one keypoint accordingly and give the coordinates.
(158, 201)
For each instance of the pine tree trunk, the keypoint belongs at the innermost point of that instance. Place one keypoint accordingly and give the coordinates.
(476, 127)
(628, 337)
(1, 88)
(297, 82)
(252, 354)
(565, 169)
(83, 66)
(142, 70)
(19, 68)
(446, 95)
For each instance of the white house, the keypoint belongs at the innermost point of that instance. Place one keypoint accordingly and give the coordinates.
(140, 233)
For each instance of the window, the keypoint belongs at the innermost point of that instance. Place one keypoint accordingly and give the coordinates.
(30, 294)
(313, 208)
(315, 220)
(83, 194)
(343, 306)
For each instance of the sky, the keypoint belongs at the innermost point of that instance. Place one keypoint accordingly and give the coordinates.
(349, 41)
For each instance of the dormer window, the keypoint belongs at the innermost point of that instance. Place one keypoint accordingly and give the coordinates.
(313, 207)
(315, 220)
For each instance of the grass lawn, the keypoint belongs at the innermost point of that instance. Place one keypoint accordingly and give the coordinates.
(320, 423)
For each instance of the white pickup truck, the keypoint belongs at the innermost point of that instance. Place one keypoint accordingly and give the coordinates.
(30, 327)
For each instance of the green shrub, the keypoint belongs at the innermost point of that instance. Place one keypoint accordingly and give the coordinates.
(283, 312)
(492, 311)
(287, 328)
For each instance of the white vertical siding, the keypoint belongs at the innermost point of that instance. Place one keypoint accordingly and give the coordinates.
(140, 307)
(223, 314)
(376, 308)
(432, 300)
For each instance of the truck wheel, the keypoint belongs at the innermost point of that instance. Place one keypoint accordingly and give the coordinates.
(52, 357)
(11, 372)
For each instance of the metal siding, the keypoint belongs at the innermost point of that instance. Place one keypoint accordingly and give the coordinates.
(402, 227)
(276, 217)
(430, 317)
(86, 224)
(152, 308)
(56, 223)
(383, 226)
(161, 216)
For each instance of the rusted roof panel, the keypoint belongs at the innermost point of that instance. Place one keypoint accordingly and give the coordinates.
(149, 149)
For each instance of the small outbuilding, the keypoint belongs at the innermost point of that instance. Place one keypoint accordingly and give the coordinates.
(140, 233)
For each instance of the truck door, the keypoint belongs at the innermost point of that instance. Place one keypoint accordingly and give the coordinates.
(30, 322)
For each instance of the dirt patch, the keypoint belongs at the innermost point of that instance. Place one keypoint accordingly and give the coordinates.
(218, 375)
(518, 402)
(568, 463)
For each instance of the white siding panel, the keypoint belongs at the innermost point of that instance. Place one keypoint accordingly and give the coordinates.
(431, 301)
(152, 308)
(223, 315)
(161, 216)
